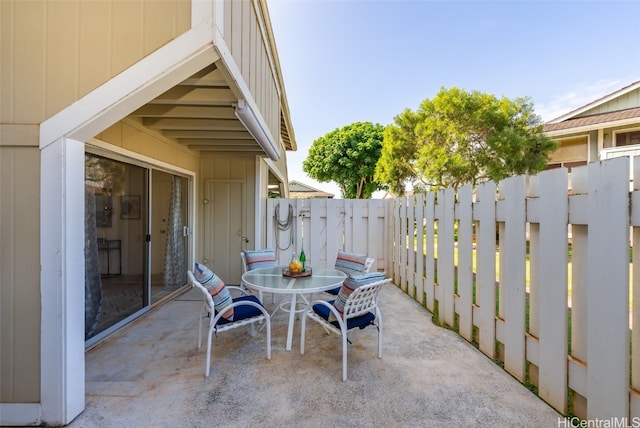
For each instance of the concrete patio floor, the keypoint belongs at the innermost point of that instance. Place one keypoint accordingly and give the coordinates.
(150, 374)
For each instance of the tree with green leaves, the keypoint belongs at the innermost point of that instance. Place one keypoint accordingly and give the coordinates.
(347, 156)
(462, 137)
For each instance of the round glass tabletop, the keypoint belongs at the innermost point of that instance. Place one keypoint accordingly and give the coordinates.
(272, 280)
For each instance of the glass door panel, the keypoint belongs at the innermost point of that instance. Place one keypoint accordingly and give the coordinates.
(169, 245)
(116, 284)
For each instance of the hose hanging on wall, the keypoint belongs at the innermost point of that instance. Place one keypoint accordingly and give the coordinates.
(282, 226)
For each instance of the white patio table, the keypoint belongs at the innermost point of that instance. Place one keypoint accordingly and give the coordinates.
(271, 280)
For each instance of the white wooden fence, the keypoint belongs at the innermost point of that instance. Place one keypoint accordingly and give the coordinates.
(323, 226)
(557, 315)
(525, 312)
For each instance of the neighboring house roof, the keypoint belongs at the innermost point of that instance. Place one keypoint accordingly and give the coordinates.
(300, 190)
(603, 110)
(594, 119)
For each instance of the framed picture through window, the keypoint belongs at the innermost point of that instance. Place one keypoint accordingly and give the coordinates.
(130, 207)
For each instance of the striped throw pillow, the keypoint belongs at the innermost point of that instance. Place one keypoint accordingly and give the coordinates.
(350, 284)
(350, 263)
(260, 258)
(216, 287)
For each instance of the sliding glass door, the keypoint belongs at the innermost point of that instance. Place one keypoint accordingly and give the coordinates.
(169, 233)
(136, 241)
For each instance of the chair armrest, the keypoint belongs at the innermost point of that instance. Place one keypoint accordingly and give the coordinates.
(332, 308)
(242, 303)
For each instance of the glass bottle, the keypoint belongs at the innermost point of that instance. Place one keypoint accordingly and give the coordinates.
(303, 259)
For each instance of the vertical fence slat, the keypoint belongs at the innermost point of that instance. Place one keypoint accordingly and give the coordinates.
(411, 252)
(397, 240)
(465, 261)
(316, 241)
(429, 264)
(513, 277)
(486, 266)
(348, 225)
(608, 290)
(403, 245)
(359, 239)
(552, 274)
(335, 229)
(446, 274)
(579, 265)
(419, 209)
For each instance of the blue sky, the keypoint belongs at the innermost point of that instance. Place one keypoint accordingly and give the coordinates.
(348, 61)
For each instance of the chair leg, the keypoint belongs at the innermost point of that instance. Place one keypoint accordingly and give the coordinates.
(344, 356)
(199, 331)
(303, 329)
(268, 322)
(380, 340)
(208, 363)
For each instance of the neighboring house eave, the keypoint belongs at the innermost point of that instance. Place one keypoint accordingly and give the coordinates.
(595, 122)
(597, 103)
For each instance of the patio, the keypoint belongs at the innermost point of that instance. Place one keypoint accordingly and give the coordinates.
(151, 374)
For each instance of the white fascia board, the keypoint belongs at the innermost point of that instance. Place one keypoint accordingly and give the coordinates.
(142, 82)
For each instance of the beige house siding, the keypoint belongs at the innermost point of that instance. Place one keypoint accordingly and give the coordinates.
(54, 53)
(131, 135)
(247, 41)
(72, 48)
(19, 265)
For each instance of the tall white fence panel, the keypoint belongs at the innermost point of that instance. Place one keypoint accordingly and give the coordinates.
(324, 226)
(536, 272)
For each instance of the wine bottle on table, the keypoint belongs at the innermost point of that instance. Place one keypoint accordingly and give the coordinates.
(303, 259)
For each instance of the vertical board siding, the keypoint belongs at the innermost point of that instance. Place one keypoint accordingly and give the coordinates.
(76, 46)
(247, 39)
(557, 271)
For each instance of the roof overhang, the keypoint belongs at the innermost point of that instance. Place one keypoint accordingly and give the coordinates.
(593, 122)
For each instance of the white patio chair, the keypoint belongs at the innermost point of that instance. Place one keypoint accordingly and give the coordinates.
(360, 311)
(247, 311)
(245, 268)
(366, 268)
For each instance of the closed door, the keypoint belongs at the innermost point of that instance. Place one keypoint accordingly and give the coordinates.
(225, 226)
